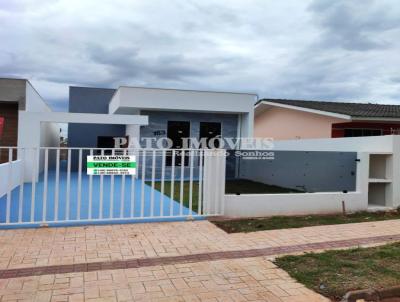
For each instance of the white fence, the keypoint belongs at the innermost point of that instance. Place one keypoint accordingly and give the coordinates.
(11, 173)
(53, 188)
(50, 186)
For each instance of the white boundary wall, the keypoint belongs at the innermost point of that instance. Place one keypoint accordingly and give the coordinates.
(36, 129)
(257, 205)
(371, 144)
(12, 175)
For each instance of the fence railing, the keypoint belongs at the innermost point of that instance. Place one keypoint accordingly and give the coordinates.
(51, 186)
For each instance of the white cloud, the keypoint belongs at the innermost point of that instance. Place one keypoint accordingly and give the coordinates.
(318, 49)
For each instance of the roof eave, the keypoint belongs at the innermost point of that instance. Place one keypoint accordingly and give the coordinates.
(376, 119)
(309, 110)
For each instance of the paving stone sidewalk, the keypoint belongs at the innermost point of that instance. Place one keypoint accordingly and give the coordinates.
(247, 279)
(180, 261)
(75, 245)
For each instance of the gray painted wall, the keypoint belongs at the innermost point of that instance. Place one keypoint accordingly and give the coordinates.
(13, 90)
(309, 171)
(90, 100)
(158, 120)
(96, 100)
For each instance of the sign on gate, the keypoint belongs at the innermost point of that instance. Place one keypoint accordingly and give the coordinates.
(111, 165)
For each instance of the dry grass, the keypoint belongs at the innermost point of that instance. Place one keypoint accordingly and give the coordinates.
(334, 273)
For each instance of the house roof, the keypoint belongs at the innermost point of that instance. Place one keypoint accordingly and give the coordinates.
(357, 110)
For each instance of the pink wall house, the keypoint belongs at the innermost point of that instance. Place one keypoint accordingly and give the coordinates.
(298, 119)
(283, 124)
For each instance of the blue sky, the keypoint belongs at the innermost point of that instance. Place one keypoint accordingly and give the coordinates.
(319, 50)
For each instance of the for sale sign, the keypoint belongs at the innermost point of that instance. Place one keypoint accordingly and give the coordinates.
(111, 165)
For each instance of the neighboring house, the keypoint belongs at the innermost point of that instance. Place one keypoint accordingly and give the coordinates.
(16, 96)
(297, 119)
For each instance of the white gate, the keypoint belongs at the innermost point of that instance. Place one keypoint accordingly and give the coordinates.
(50, 186)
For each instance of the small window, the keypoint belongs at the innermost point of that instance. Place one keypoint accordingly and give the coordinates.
(362, 132)
(376, 132)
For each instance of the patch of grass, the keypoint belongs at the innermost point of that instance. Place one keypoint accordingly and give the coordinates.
(334, 273)
(242, 186)
(286, 222)
(245, 186)
(186, 191)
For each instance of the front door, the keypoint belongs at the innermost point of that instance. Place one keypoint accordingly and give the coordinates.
(177, 130)
(209, 131)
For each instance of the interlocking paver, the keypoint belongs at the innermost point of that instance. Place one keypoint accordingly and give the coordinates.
(157, 273)
(61, 246)
(222, 280)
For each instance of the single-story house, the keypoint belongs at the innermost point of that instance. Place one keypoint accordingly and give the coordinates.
(97, 115)
(298, 119)
(171, 113)
(45, 185)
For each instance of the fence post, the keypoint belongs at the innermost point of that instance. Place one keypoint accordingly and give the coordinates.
(214, 181)
(9, 185)
(362, 176)
(395, 169)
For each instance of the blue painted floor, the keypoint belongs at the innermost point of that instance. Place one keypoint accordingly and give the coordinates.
(84, 208)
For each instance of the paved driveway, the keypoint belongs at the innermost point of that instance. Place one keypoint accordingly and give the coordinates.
(126, 196)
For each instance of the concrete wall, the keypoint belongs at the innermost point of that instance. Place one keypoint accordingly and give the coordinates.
(263, 205)
(49, 132)
(352, 144)
(128, 100)
(258, 205)
(13, 90)
(378, 174)
(45, 135)
(49, 135)
(34, 102)
(132, 131)
(284, 124)
(213, 184)
(131, 98)
(10, 175)
(388, 145)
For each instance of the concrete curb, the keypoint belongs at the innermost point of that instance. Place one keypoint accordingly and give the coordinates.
(372, 295)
